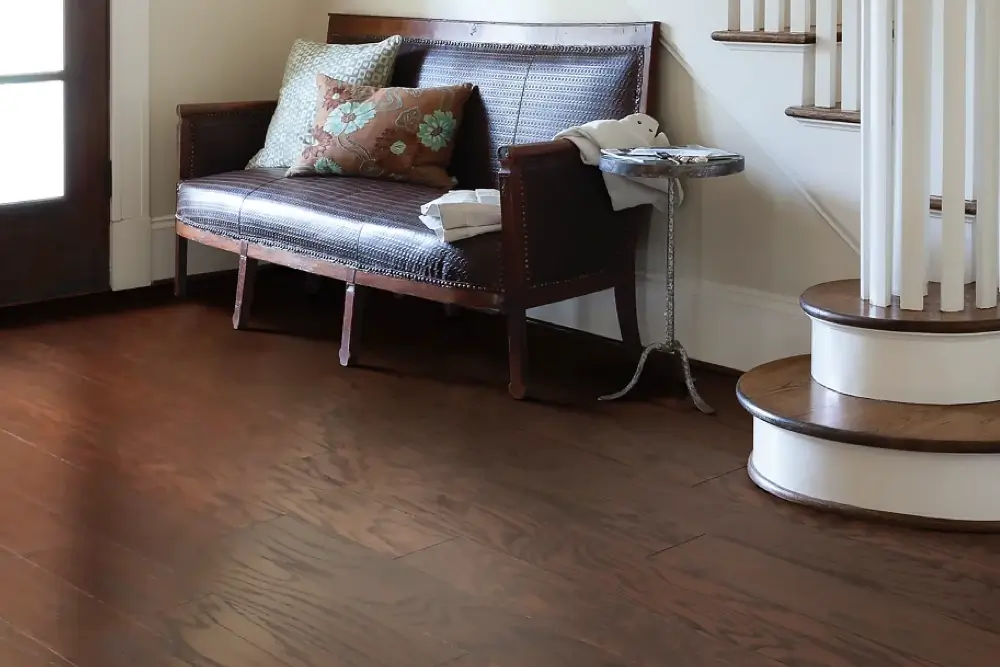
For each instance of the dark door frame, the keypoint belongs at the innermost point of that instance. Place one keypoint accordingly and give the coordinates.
(61, 247)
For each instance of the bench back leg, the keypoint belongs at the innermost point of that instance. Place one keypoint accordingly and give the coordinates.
(628, 312)
(517, 351)
(246, 280)
(180, 265)
(350, 333)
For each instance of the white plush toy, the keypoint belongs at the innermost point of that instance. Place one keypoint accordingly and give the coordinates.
(635, 131)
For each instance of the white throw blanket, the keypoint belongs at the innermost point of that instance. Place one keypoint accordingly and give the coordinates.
(462, 214)
(635, 131)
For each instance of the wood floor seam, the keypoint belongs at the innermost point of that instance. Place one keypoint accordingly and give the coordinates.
(675, 546)
(721, 474)
(403, 557)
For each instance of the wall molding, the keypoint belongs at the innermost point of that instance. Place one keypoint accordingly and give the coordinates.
(130, 94)
(769, 46)
(728, 325)
(201, 258)
(742, 328)
(829, 124)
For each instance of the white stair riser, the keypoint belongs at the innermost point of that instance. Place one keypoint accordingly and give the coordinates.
(936, 369)
(959, 487)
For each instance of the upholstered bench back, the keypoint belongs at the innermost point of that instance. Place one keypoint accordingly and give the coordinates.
(533, 80)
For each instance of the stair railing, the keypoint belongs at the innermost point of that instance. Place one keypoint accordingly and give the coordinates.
(900, 78)
(836, 24)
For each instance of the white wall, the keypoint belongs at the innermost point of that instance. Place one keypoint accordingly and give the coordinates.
(748, 245)
(211, 51)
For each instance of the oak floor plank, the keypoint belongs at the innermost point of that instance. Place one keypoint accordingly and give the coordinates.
(198, 639)
(69, 622)
(19, 650)
(280, 587)
(964, 598)
(527, 526)
(341, 512)
(588, 613)
(975, 556)
(394, 605)
(879, 617)
(733, 619)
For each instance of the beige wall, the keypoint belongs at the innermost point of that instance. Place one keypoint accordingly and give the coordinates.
(748, 245)
(488, 10)
(213, 51)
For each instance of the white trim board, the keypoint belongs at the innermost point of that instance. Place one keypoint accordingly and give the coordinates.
(742, 328)
(130, 224)
(907, 367)
(201, 258)
(731, 326)
(960, 487)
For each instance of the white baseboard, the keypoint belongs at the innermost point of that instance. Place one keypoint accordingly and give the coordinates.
(201, 259)
(130, 253)
(726, 325)
(742, 328)
(731, 326)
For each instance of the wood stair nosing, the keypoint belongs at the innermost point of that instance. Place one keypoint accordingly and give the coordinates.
(783, 394)
(766, 37)
(840, 303)
(827, 114)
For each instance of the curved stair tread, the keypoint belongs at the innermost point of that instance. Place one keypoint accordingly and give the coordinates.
(828, 114)
(840, 302)
(784, 394)
(763, 37)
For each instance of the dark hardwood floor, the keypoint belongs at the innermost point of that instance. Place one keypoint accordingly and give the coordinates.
(174, 493)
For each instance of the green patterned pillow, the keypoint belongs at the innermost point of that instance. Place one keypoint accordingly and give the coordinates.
(360, 64)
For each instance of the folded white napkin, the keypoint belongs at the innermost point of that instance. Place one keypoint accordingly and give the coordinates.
(452, 235)
(635, 131)
(460, 209)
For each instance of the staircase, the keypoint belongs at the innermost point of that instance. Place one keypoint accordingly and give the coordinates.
(894, 416)
(896, 413)
(831, 31)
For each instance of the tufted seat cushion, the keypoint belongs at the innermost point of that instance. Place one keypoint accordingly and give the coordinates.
(365, 224)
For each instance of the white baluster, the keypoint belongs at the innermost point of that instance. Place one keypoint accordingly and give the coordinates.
(734, 14)
(878, 167)
(827, 61)
(776, 16)
(803, 13)
(866, 151)
(850, 49)
(914, 24)
(954, 22)
(987, 148)
(751, 15)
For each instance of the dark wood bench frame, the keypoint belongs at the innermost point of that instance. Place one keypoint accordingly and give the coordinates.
(518, 294)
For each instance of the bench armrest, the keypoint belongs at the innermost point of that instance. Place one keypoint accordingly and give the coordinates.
(215, 138)
(558, 221)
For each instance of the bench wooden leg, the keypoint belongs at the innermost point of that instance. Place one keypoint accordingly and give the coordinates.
(350, 334)
(517, 342)
(180, 265)
(244, 291)
(628, 312)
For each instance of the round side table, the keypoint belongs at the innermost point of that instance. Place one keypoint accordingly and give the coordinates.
(673, 170)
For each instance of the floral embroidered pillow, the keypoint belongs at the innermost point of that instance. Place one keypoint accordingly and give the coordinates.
(402, 134)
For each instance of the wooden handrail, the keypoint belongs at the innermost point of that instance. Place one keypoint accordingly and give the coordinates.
(764, 37)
